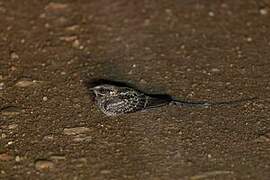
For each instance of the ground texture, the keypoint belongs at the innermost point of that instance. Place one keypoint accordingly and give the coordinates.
(192, 49)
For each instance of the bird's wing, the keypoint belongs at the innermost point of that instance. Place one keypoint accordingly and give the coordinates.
(152, 102)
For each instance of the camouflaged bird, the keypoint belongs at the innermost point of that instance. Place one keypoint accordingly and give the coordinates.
(115, 100)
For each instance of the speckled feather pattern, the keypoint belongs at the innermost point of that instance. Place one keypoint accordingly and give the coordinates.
(114, 100)
(126, 100)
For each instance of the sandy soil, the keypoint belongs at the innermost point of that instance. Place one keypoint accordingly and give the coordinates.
(199, 50)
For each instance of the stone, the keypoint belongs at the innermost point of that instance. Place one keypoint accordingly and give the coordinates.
(48, 137)
(25, 83)
(3, 136)
(215, 70)
(2, 85)
(142, 81)
(263, 11)
(105, 171)
(18, 158)
(44, 165)
(86, 139)
(12, 126)
(249, 39)
(14, 56)
(56, 7)
(10, 110)
(57, 157)
(76, 130)
(76, 44)
(10, 142)
(211, 14)
(68, 38)
(45, 98)
(72, 28)
(5, 157)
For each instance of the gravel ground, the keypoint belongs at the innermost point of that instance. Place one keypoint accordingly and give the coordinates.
(193, 49)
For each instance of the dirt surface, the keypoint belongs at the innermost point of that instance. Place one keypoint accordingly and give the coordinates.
(192, 49)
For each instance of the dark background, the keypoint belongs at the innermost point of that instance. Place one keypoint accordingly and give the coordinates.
(198, 50)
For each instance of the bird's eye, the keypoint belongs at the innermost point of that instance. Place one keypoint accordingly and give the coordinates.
(103, 91)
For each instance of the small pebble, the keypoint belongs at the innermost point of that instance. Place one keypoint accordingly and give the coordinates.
(2, 86)
(76, 130)
(76, 100)
(263, 11)
(68, 38)
(146, 22)
(12, 126)
(44, 165)
(14, 56)
(105, 171)
(10, 142)
(249, 39)
(211, 14)
(168, 11)
(215, 70)
(10, 110)
(45, 98)
(142, 81)
(86, 139)
(3, 136)
(57, 157)
(55, 7)
(48, 137)
(17, 158)
(223, 5)
(13, 68)
(25, 83)
(47, 25)
(73, 28)
(76, 44)
(5, 157)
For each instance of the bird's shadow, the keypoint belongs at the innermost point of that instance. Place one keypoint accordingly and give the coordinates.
(96, 82)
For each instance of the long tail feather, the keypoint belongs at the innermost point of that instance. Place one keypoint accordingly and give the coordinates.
(207, 104)
(152, 102)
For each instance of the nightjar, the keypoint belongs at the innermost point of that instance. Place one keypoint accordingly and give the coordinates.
(115, 100)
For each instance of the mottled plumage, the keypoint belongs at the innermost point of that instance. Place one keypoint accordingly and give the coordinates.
(115, 100)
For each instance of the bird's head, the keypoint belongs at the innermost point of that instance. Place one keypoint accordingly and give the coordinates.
(104, 90)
